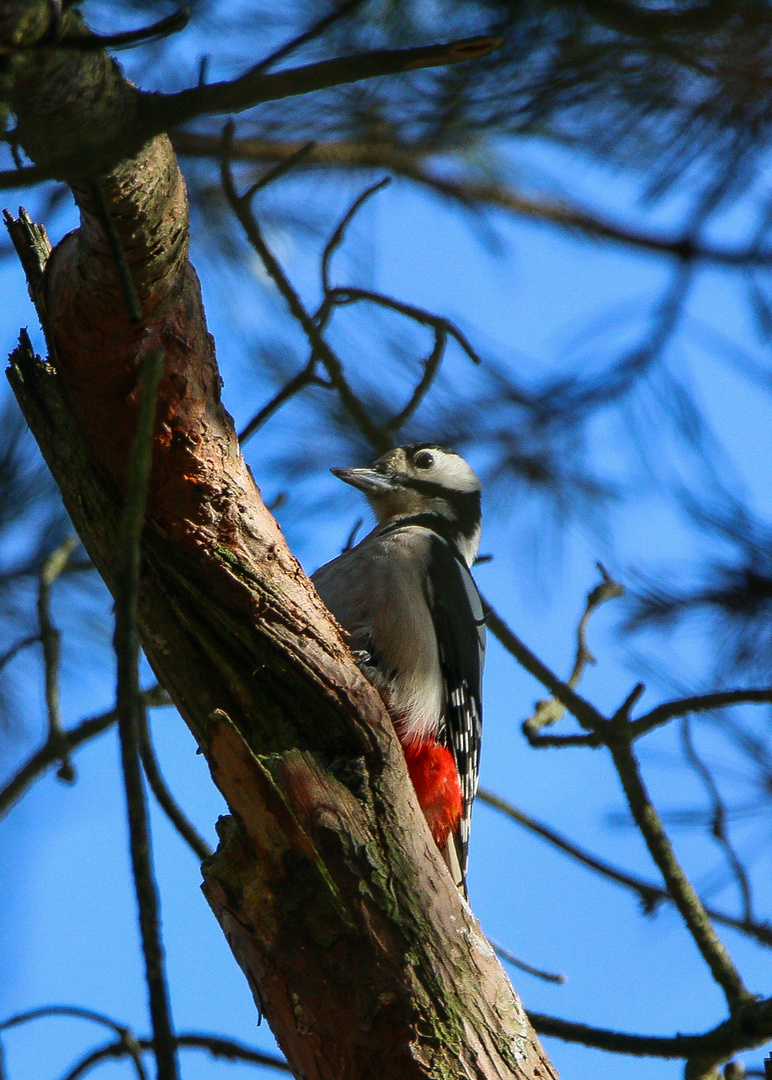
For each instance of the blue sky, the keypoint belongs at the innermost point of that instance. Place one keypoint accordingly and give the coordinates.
(67, 921)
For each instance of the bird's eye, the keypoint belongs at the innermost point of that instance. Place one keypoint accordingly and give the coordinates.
(424, 460)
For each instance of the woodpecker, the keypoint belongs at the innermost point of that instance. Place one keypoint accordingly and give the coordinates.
(406, 599)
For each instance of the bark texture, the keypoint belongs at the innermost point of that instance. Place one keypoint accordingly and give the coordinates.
(336, 904)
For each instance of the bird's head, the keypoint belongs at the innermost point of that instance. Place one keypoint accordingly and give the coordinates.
(423, 479)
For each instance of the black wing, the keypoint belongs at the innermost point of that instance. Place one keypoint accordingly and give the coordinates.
(460, 627)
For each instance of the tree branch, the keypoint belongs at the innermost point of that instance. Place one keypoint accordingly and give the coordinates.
(378, 435)
(589, 717)
(84, 732)
(615, 734)
(718, 1044)
(305, 377)
(628, 18)
(128, 118)
(314, 31)
(347, 294)
(422, 387)
(680, 888)
(414, 164)
(160, 112)
(717, 699)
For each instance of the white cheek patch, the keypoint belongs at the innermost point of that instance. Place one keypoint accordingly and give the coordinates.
(452, 472)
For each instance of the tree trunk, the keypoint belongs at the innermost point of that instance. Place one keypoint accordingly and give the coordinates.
(327, 884)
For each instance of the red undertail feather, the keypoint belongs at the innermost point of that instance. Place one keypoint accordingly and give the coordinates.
(435, 779)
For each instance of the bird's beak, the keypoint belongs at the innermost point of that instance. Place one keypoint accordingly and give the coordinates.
(367, 480)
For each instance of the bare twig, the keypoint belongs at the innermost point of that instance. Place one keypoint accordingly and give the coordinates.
(53, 566)
(343, 295)
(587, 715)
(218, 1047)
(339, 233)
(431, 367)
(314, 31)
(546, 976)
(129, 706)
(564, 693)
(591, 739)
(126, 1039)
(277, 171)
(718, 818)
(165, 799)
(172, 24)
(329, 360)
(306, 377)
(48, 755)
(649, 893)
(607, 589)
(18, 647)
(62, 1010)
(663, 714)
(231, 1050)
(550, 711)
(338, 297)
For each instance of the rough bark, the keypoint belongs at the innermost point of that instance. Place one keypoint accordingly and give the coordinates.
(327, 884)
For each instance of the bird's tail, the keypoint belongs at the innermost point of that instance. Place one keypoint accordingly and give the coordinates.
(452, 854)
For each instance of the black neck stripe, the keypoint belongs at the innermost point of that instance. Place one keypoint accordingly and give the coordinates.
(464, 506)
(436, 523)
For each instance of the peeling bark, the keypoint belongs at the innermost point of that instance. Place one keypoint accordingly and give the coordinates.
(328, 886)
